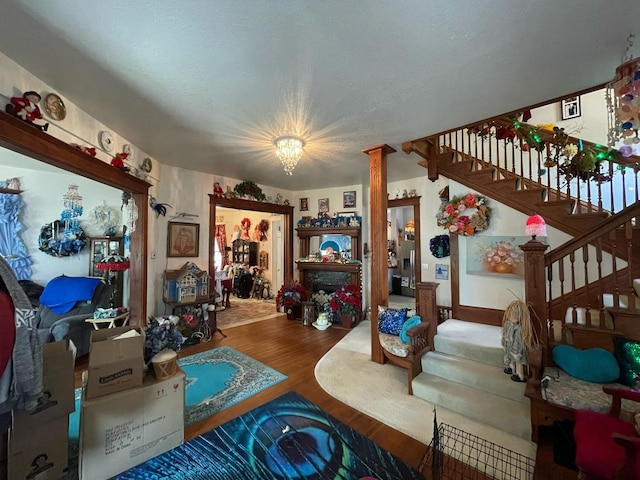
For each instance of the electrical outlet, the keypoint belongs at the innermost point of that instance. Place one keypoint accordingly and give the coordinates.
(153, 255)
(425, 266)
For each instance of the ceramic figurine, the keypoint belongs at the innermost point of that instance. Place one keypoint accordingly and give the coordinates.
(26, 108)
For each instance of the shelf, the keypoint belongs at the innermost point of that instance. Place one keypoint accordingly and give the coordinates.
(304, 232)
(329, 266)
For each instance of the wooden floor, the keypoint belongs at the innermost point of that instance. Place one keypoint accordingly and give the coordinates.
(294, 350)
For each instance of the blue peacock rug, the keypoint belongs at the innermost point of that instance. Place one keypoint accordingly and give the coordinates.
(288, 438)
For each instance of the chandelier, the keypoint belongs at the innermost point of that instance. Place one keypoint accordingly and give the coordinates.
(289, 151)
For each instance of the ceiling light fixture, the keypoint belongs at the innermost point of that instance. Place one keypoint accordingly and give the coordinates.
(289, 151)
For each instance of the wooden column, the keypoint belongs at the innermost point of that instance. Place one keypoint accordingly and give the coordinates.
(534, 290)
(379, 291)
(428, 308)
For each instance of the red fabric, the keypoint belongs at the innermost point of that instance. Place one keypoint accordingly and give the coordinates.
(7, 329)
(596, 454)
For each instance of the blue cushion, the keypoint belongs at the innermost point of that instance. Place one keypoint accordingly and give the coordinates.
(411, 322)
(591, 365)
(390, 320)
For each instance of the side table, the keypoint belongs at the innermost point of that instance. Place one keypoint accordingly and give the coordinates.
(110, 322)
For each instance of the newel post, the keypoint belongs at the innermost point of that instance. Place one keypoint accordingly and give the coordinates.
(427, 307)
(535, 289)
(379, 289)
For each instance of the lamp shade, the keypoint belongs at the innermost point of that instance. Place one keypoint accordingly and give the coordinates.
(536, 226)
(113, 263)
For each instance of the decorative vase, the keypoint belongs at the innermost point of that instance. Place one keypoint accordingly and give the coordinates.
(502, 268)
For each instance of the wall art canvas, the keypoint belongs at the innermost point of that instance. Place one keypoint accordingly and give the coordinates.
(495, 255)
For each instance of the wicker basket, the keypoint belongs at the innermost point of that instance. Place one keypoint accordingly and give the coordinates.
(165, 364)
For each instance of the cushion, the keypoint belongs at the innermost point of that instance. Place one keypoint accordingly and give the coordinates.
(411, 322)
(390, 320)
(592, 365)
(627, 353)
(8, 329)
(393, 345)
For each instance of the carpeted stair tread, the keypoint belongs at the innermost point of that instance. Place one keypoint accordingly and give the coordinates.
(474, 341)
(482, 376)
(481, 406)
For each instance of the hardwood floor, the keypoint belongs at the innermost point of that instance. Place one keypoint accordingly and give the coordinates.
(293, 350)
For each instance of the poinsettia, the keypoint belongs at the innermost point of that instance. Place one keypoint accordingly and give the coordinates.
(347, 300)
(291, 294)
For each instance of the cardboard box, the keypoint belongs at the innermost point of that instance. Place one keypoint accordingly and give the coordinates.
(122, 430)
(39, 453)
(114, 365)
(57, 399)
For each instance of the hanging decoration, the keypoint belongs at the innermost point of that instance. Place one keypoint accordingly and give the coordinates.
(106, 219)
(453, 215)
(72, 201)
(52, 240)
(159, 208)
(263, 227)
(439, 246)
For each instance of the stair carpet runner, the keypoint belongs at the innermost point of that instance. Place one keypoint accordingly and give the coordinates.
(465, 375)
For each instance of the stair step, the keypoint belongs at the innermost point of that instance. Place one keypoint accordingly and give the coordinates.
(498, 412)
(558, 207)
(530, 196)
(473, 341)
(483, 176)
(482, 376)
(585, 221)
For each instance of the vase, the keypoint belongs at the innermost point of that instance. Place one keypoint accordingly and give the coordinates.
(348, 321)
(502, 268)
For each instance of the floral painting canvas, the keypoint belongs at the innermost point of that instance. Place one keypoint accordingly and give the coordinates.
(495, 255)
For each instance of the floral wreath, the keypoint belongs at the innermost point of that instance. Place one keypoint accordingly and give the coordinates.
(452, 216)
(50, 244)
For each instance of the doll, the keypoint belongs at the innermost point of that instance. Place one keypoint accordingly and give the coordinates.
(217, 190)
(26, 108)
(245, 224)
(517, 339)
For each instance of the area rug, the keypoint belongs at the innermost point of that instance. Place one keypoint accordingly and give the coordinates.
(221, 377)
(245, 311)
(287, 438)
(347, 373)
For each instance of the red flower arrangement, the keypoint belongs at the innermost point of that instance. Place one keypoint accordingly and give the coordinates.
(347, 300)
(290, 295)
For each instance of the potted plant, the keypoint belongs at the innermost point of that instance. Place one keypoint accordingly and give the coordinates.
(346, 305)
(290, 298)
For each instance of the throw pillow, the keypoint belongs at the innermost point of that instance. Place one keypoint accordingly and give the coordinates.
(390, 320)
(411, 322)
(591, 365)
(627, 353)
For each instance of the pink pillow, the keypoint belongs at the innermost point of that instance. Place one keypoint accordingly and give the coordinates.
(7, 329)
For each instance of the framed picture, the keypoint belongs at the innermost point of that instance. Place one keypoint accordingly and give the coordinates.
(183, 239)
(571, 108)
(442, 271)
(349, 199)
(304, 204)
(347, 214)
(323, 205)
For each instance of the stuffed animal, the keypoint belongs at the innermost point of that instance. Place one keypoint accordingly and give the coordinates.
(517, 339)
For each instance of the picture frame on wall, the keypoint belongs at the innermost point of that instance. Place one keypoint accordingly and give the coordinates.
(304, 204)
(442, 271)
(349, 199)
(183, 239)
(323, 205)
(570, 108)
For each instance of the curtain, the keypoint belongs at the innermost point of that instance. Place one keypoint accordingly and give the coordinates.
(12, 249)
(221, 239)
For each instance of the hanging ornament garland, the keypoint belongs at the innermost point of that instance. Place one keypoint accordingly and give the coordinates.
(64, 237)
(439, 246)
(454, 215)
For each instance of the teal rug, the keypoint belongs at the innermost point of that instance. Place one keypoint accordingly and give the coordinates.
(215, 380)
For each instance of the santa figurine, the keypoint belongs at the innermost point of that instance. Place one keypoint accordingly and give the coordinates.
(217, 190)
(26, 108)
(118, 161)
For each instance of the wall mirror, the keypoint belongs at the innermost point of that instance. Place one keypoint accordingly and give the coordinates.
(46, 152)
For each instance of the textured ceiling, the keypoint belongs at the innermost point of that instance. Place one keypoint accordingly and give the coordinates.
(208, 85)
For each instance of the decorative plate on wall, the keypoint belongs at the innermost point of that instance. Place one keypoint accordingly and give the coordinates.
(130, 151)
(106, 141)
(54, 106)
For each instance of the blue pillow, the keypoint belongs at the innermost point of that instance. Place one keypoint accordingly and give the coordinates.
(592, 365)
(390, 320)
(411, 322)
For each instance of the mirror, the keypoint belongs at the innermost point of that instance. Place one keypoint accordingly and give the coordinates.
(19, 137)
(403, 218)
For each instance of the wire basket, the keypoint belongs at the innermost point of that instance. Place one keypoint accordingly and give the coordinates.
(456, 454)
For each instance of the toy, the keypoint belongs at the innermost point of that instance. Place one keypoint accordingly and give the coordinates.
(217, 190)
(26, 108)
(118, 161)
(517, 339)
(88, 150)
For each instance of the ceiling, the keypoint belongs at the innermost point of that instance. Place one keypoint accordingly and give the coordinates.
(208, 85)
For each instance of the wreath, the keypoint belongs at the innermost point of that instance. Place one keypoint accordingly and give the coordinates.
(453, 217)
(50, 242)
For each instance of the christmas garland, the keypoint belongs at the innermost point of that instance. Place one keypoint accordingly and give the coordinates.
(50, 244)
(453, 216)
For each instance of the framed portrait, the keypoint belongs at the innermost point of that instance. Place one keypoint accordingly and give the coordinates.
(571, 108)
(442, 272)
(349, 199)
(323, 205)
(183, 239)
(304, 204)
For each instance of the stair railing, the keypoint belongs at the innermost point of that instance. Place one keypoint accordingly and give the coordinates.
(501, 145)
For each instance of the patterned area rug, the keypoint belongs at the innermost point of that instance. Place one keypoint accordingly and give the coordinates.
(288, 438)
(221, 377)
(244, 311)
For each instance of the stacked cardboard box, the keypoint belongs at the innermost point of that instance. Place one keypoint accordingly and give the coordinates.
(38, 440)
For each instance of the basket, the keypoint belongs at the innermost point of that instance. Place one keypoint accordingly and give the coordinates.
(165, 364)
